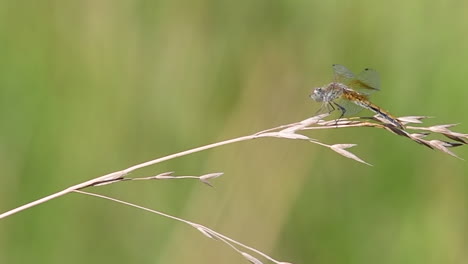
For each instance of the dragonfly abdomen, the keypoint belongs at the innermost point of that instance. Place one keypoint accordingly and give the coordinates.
(362, 101)
(386, 115)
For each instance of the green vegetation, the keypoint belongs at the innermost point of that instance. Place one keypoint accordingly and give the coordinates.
(91, 87)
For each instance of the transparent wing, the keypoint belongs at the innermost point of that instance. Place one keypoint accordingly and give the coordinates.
(350, 107)
(369, 79)
(366, 82)
(342, 74)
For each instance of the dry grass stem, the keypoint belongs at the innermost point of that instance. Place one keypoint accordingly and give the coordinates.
(166, 176)
(421, 132)
(210, 233)
(288, 131)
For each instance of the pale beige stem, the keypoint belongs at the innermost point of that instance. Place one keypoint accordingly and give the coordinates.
(119, 174)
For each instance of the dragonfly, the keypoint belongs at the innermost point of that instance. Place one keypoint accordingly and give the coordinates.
(349, 94)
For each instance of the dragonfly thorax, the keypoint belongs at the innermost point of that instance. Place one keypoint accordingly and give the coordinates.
(328, 92)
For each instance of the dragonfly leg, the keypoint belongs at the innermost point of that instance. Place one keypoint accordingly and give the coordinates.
(342, 110)
(326, 107)
(330, 107)
(320, 110)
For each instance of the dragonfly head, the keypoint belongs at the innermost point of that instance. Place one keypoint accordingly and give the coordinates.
(318, 94)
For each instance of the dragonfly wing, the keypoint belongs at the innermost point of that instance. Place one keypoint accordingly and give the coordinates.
(342, 74)
(366, 82)
(350, 107)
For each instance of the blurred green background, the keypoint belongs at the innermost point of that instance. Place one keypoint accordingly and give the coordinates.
(91, 87)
